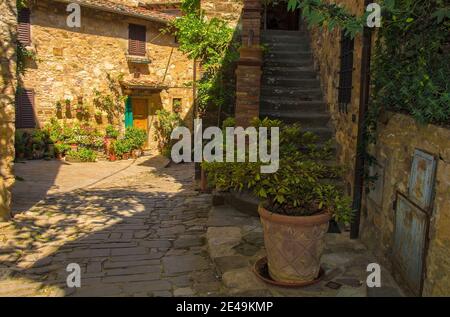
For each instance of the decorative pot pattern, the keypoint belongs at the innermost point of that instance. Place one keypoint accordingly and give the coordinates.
(294, 245)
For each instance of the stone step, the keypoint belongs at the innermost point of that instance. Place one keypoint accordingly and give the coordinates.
(293, 37)
(288, 63)
(289, 55)
(280, 74)
(287, 47)
(306, 119)
(298, 94)
(293, 105)
(290, 82)
(283, 32)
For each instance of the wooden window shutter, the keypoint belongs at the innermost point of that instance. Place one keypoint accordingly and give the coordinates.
(346, 73)
(136, 39)
(25, 117)
(24, 27)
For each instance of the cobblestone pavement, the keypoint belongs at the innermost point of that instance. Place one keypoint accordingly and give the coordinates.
(137, 228)
(139, 232)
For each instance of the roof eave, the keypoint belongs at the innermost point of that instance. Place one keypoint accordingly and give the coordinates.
(102, 8)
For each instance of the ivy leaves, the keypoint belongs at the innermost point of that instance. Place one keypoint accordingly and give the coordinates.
(330, 15)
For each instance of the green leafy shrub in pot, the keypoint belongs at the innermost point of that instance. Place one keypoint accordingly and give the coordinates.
(62, 149)
(136, 137)
(297, 201)
(82, 155)
(122, 147)
(112, 132)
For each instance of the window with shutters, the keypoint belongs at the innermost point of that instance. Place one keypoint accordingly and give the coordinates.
(346, 73)
(24, 27)
(136, 39)
(25, 117)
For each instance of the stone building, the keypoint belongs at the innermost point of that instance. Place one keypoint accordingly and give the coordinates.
(119, 49)
(7, 87)
(410, 199)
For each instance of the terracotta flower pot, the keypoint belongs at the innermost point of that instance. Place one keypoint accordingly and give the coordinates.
(294, 245)
(112, 157)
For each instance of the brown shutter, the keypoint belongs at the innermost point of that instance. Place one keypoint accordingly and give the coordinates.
(23, 27)
(25, 117)
(136, 39)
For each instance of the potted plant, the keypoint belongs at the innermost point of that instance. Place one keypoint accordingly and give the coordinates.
(111, 134)
(98, 116)
(19, 144)
(297, 202)
(136, 138)
(61, 149)
(68, 105)
(59, 109)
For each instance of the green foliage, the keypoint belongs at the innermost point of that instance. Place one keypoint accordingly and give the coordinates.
(82, 155)
(62, 148)
(321, 13)
(111, 102)
(80, 134)
(411, 64)
(136, 137)
(22, 56)
(299, 187)
(209, 41)
(112, 132)
(166, 122)
(121, 147)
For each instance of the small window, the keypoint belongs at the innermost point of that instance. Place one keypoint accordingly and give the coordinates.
(177, 105)
(24, 27)
(25, 117)
(137, 39)
(346, 73)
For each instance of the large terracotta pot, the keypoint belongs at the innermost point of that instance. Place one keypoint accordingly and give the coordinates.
(294, 245)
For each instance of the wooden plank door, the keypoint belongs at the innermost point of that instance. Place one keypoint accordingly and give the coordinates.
(140, 114)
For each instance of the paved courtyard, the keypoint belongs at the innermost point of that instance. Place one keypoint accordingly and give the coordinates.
(138, 228)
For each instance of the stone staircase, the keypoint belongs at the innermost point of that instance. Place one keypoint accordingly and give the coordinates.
(291, 90)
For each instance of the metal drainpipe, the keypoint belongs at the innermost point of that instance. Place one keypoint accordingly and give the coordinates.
(360, 146)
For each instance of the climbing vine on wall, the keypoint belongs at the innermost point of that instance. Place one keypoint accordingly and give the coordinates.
(209, 41)
(411, 63)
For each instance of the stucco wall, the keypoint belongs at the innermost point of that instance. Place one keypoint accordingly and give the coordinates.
(7, 89)
(399, 136)
(72, 62)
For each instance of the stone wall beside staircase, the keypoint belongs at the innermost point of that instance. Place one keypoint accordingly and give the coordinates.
(7, 91)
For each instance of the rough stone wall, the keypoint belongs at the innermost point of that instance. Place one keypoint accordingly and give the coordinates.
(7, 90)
(398, 138)
(228, 10)
(327, 49)
(72, 62)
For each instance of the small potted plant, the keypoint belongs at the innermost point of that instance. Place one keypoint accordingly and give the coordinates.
(111, 134)
(68, 103)
(59, 109)
(98, 116)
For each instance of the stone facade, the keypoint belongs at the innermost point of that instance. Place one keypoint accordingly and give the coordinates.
(327, 49)
(72, 62)
(7, 91)
(228, 10)
(398, 138)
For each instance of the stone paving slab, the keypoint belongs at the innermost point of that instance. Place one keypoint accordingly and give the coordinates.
(236, 242)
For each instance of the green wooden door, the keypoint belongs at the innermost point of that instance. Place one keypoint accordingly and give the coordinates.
(128, 113)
